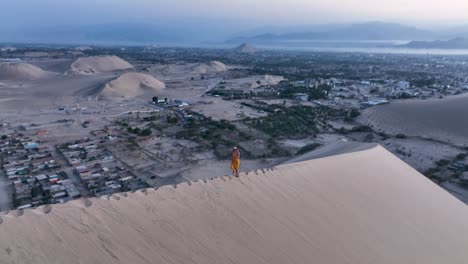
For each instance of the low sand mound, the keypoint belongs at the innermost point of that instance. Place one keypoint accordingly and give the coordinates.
(22, 72)
(132, 85)
(83, 48)
(362, 207)
(267, 80)
(218, 66)
(211, 67)
(97, 64)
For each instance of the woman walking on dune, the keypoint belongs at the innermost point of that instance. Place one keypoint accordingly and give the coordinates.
(235, 162)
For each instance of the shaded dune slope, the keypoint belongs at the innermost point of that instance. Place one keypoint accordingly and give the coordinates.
(362, 207)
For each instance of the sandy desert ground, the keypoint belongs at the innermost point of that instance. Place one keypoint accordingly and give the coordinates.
(219, 109)
(329, 214)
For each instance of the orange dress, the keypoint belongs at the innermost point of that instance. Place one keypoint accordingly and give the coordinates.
(235, 162)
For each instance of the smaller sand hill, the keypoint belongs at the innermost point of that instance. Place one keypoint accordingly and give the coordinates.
(211, 67)
(22, 72)
(267, 80)
(83, 48)
(97, 64)
(130, 85)
(246, 48)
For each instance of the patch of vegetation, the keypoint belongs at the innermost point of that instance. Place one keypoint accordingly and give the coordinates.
(461, 156)
(384, 135)
(140, 132)
(150, 118)
(319, 92)
(442, 162)
(369, 137)
(294, 121)
(357, 129)
(219, 136)
(260, 106)
(424, 82)
(308, 148)
(354, 113)
(172, 119)
(400, 136)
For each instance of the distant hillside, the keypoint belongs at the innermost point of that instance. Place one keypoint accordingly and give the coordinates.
(357, 32)
(246, 48)
(456, 43)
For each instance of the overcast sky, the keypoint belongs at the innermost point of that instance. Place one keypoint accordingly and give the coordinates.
(254, 12)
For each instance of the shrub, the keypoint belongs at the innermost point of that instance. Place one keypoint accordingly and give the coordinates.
(354, 113)
(442, 162)
(308, 148)
(401, 136)
(461, 156)
(145, 132)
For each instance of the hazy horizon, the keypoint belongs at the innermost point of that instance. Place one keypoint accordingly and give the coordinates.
(209, 20)
(258, 12)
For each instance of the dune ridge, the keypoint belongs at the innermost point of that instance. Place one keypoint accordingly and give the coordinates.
(98, 64)
(377, 210)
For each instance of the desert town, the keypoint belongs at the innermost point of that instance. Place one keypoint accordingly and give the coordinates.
(90, 122)
(233, 132)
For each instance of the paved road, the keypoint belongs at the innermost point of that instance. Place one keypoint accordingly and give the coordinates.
(71, 175)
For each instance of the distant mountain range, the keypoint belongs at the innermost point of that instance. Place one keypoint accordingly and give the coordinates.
(456, 43)
(213, 32)
(355, 32)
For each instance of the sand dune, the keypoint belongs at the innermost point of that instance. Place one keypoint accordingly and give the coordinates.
(246, 48)
(332, 149)
(267, 80)
(362, 207)
(83, 48)
(97, 64)
(442, 119)
(22, 72)
(211, 67)
(132, 85)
